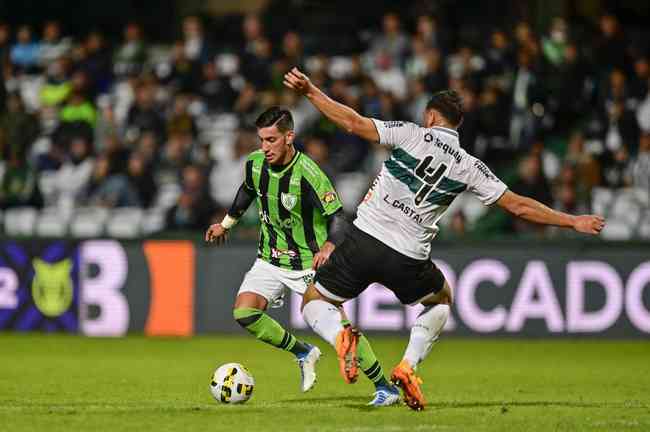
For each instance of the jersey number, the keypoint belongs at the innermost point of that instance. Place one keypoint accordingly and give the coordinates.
(430, 177)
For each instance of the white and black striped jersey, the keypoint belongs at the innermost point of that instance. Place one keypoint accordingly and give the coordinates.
(426, 171)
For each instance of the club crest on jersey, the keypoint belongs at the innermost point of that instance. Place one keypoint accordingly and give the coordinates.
(288, 200)
(329, 197)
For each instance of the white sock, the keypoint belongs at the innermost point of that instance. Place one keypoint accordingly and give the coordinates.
(324, 318)
(425, 332)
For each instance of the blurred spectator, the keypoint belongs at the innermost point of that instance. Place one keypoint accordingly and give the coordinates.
(639, 80)
(174, 157)
(498, 55)
(57, 87)
(610, 49)
(319, 152)
(195, 45)
(426, 29)
(53, 46)
(586, 166)
(5, 46)
(614, 167)
(388, 76)
(19, 185)
(526, 101)
(144, 115)
(141, 180)
(291, 56)
(555, 42)
(392, 42)
(130, 56)
(75, 173)
(25, 53)
(621, 127)
(253, 32)
(109, 190)
(217, 91)
(18, 129)
(640, 165)
(94, 59)
(195, 208)
(531, 181)
(180, 120)
(228, 173)
(77, 107)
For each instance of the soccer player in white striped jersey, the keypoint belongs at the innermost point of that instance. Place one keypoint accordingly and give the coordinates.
(397, 221)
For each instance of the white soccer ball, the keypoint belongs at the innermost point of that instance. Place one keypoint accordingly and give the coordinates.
(232, 383)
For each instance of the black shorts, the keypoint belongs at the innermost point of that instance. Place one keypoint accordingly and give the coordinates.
(362, 259)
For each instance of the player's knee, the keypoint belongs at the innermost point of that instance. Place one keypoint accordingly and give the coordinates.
(246, 316)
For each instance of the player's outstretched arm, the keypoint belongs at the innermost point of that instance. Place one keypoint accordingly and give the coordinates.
(341, 115)
(534, 211)
(218, 232)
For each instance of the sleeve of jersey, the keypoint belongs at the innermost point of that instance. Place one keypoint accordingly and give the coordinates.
(484, 184)
(324, 195)
(393, 133)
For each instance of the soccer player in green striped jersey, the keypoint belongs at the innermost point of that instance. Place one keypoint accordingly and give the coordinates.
(301, 222)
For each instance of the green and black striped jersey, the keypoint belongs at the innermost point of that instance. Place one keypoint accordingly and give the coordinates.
(294, 203)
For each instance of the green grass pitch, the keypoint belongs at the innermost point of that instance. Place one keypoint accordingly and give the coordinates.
(67, 383)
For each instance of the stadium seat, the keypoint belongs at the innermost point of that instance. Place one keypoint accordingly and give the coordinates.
(625, 208)
(351, 188)
(89, 222)
(153, 222)
(167, 195)
(617, 230)
(52, 222)
(20, 221)
(601, 200)
(125, 222)
(47, 183)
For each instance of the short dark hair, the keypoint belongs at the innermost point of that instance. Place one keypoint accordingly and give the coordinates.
(280, 117)
(449, 104)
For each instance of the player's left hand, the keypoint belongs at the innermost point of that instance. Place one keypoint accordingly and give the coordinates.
(298, 81)
(323, 255)
(589, 224)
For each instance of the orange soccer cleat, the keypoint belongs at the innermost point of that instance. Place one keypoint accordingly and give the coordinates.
(346, 350)
(404, 376)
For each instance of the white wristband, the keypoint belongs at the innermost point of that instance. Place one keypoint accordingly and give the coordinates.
(229, 222)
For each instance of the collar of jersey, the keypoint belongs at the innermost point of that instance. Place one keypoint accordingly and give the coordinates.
(444, 129)
(286, 168)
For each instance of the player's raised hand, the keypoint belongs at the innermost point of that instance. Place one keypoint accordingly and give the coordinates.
(323, 254)
(216, 233)
(589, 224)
(298, 81)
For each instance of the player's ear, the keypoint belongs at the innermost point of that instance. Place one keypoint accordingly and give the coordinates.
(290, 136)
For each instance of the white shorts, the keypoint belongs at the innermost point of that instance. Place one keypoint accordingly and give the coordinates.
(270, 281)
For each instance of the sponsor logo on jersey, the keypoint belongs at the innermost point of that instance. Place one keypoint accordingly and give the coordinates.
(278, 253)
(308, 278)
(480, 166)
(404, 208)
(329, 197)
(393, 124)
(446, 148)
(288, 200)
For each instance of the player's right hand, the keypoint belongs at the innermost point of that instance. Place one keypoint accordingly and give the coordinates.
(216, 233)
(589, 224)
(298, 81)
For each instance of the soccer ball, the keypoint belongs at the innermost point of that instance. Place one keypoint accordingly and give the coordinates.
(232, 383)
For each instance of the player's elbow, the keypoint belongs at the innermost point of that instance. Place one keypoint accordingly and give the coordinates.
(353, 124)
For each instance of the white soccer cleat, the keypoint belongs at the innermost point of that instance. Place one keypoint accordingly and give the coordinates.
(307, 365)
(385, 396)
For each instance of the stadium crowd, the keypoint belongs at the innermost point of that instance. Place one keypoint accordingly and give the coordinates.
(93, 126)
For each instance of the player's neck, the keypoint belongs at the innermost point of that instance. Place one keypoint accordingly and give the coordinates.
(442, 125)
(288, 158)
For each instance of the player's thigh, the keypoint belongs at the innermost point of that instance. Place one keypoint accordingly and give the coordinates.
(444, 296)
(414, 281)
(262, 280)
(350, 268)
